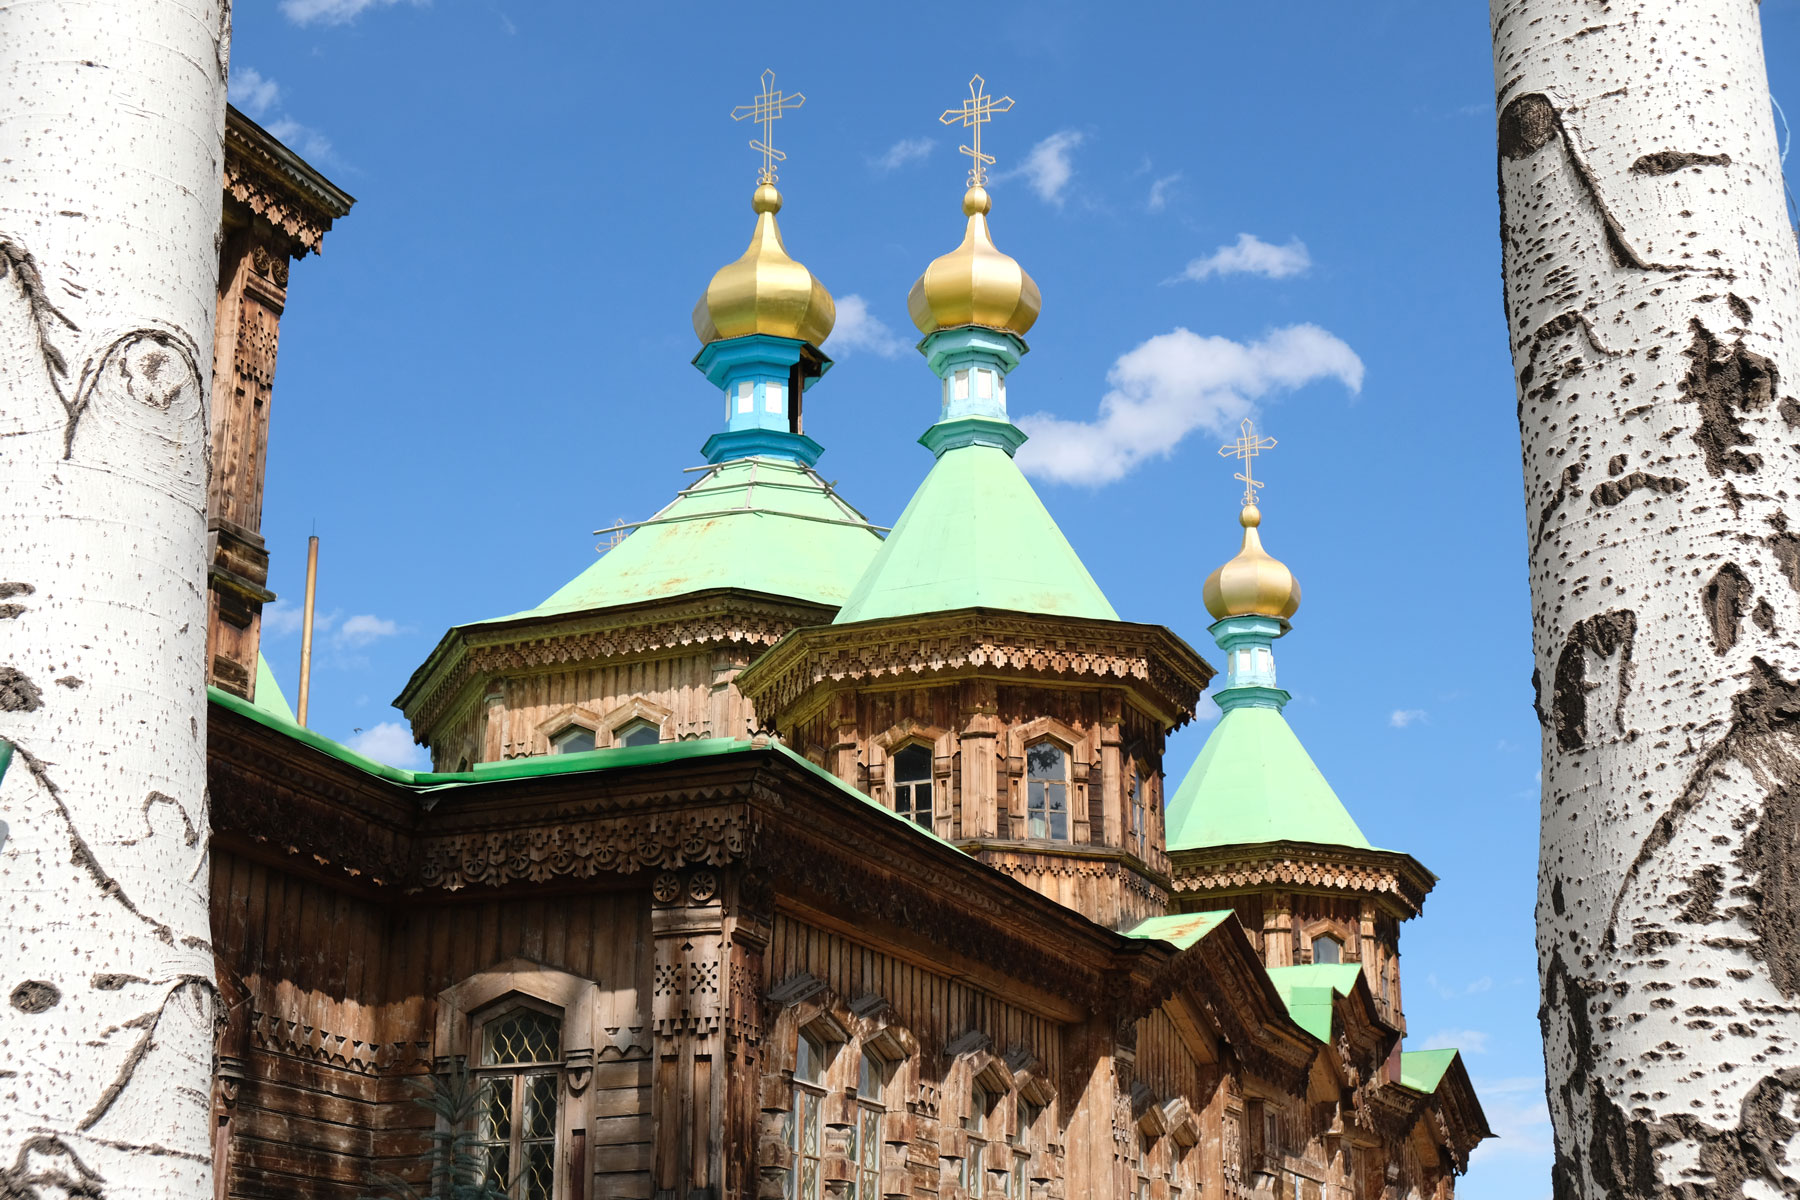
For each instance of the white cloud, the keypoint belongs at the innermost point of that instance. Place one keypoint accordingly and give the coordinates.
(301, 139)
(1048, 168)
(364, 628)
(1250, 255)
(1469, 1041)
(859, 329)
(1400, 718)
(1159, 192)
(1518, 1115)
(392, 743)
(1173, 384)
(333, 12)
(902, 152)
(252, 92)
(285, 617)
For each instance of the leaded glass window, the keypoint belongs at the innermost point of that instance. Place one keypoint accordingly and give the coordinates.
(637, 733)
(865, 1135)
(1047, 792)
(572, 740)
(912, 784)
(805, 1176)
(519, 1089)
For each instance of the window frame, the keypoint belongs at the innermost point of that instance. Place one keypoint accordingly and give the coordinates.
(625, 729)
(909, 788)
(520, 1074)
(1043, 810)
(975, 1141)
(573, 728)
(871, 1113)
(1325, 935)
(806, 1113)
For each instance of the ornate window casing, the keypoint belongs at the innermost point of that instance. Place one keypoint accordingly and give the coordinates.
(572, 739)
(911, 772)
(804, 1133)
(981, 1144)
(525, 1033)
(570, 731)
(864, 1150)
(637, 722)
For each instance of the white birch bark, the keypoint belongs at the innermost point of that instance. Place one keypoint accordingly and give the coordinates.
(1653, 307)
(111, 137)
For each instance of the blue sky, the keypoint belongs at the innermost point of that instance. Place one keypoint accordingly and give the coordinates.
(1287, 210)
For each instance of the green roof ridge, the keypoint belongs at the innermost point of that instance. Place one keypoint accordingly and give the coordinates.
(975, 535)
(1423, 1070)
(1307, 991)
(1180, 930)
(764, 525)
(1254, 782)
(269, 696)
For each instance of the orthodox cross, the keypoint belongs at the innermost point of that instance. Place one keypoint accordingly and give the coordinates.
(1247, 447)
(765, 110)
(975, 112)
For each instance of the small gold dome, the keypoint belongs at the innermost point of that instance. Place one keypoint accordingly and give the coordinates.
(1251, 583)
(975, 284)
(765, 291)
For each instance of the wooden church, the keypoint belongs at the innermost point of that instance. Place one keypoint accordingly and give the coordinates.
(773, 857)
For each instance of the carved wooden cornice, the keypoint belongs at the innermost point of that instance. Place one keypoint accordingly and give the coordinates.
(1397, 881)
(469, 655)
(582, 849)
(279, 186)
(792, 681)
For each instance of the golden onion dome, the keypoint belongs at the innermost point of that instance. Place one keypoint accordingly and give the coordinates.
(975, 284)
(1252, 583)
(765, 291)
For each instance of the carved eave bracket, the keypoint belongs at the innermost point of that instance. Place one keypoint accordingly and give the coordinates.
(1396, 882)
(279, 186)
(795, 679)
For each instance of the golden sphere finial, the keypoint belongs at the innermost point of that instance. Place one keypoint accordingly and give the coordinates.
(976, 200)
(766, 199)
(1252, 583)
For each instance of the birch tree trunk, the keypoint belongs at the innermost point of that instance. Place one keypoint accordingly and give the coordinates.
(1653, 307)
(111, 139)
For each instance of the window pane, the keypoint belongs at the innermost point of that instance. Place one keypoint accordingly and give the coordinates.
(499, 1166)
(809, 1060)
(521, 1036)
(540, 1172)
(871, 1139)
(912, 763)
(1326, 950)
(637, 733)
(1045, 760)
(1058, 810)
(809, 1131)
(540, 1106)
(922, 804)
(495, 1121)
(572, 740)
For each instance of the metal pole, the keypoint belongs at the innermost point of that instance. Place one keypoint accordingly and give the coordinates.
(306, 623)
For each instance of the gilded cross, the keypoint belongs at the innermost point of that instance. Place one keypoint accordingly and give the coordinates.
(1247, 446)
(765, 110)
(975, 112)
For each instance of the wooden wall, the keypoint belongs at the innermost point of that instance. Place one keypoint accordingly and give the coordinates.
(339, 1017)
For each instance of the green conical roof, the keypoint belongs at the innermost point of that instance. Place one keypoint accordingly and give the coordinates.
(759, 524)
(975, 536)
(1254, 782)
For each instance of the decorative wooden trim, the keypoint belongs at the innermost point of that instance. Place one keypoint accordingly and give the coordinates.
(791, 682)
(469, 655)
(1395, 880)
(581, 849)
(279, 186)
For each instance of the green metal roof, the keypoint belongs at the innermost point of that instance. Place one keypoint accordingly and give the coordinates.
(1423, 1070)
(1180, 930)
(1254, 782)
(759, 524)
(269, 696)
(975, 536)
(1307, 992)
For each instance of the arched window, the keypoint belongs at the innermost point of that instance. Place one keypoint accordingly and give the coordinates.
(912, 783)
(805, 1177)
(1047, 792)
(572, 739)
(974, 1173)
(521, 1052)
(1327, 949)
(637, 733)
(865, 1142)
(1024, 1145)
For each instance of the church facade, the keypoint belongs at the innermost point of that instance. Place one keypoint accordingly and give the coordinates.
(779, 855)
